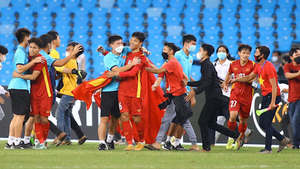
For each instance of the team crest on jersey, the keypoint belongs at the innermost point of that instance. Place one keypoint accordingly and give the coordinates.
(190, 61)
(235, 68)
(247, 69)
(124, 57)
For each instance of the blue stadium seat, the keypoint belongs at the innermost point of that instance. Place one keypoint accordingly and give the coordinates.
(70, 4)
(284, 21)
(7, 11)
(173, 12)
(248, 39)
(46, 11)
(63, 29)
(174, 30)
(246, 21)
(266, 31)
(155, 21)
(228, 22)
(246, 12)
(210, 21)
(228, 12)
(26, 20)
(98, 39)
(125, 4)
(194, 30)
(191, 12)
(268, 4)
(284, 43)
(81, 29)
(284, 30)
(29, 26)
(160, 3)
(177, 3)
(80, 38)
(190, 21)
(194, 3)
(135, 21)
(62, 12)
(42, 29)
(119, 30)
(211, 30)
(81, 20)
(212, 4)
(116, 21)
(99, 29)
(143, 4)
(248, 3)
(213, 40)
(133, 28)
(210, 12)
(248, 31)
(98, 20)
(63, 20)
(6, 39)
(297, 40)
(230, 4)
(283, 12)
(43, 20)
(286, 4)
(7, 20)
(118, 12)
(265, 21)
(175, 39)
(98, 12)
(80, 12)
(230, 30)
(28, 11)
(88, 4)
(229, 39)
(18, 3)
(172, 20)
(136, 12)
(155, 39)
(266, 40)
(54, 4)
(155, 47)
(154, 12)
(265, 12)
(106, 4)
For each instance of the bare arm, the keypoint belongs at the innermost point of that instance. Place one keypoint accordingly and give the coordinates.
(67, 70)
(285, 90)
(156, 84)
(135, 61)
(155, 70)
(32, 76)
(274, 92)
(289, 75)
(245, 78)
(72, 55)
(23, 68)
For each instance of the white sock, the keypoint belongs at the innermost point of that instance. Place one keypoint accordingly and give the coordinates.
(230, 138)
(26, 139)
(17, 141)
(10, 140)
(177, 142)
(169, 138)
(102, 141)
(143, 142)
(36, 142)
(109, 138)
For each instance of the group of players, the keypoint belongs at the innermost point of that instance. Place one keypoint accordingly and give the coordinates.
(121, 99)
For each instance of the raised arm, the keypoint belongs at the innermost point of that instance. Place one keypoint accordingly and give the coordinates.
(72, 55)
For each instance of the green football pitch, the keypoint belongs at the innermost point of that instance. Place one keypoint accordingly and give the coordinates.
(87, 156)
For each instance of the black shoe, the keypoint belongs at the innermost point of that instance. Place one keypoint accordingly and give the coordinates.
(167, 145)
(110, 146)
(7, 146)
(150, 147)
(295, 147)
(26, 146)
(17, 146)
(179, 148)
(102, 147)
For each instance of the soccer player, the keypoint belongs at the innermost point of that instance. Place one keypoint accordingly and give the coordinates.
(209, 83)
(241, 93)
(271, 96)
(292, 73)
(186, 60)
(130, 91)
(114, 61)
(175, 78)
(3, 52)
(40, 93)
(67, 84)
(19, 90)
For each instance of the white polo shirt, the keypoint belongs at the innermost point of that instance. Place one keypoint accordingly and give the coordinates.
(222, 72)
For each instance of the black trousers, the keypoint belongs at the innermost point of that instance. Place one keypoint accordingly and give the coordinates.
(208, 118)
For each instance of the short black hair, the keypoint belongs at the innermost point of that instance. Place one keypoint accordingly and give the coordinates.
(172, 46)
(113, 38)
(139, 35)
(244, 46)
(293, 50)
(46, 39)
(54, 34)
(208, 48)
(223, 46)
(21, 33)
(264, 50)
(74, 44)
(188, 38)
(278, 52)
(287, 58)
(3, 50)
(37, 41)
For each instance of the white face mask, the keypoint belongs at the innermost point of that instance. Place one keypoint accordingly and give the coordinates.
(67, 54)
(3, 58)
(119, 49)
(274, 59)
(199, 56)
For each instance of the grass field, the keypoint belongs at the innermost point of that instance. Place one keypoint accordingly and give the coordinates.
(87, 156)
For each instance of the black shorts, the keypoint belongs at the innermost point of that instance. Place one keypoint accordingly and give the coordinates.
(183, 110)
(20, 102)
(110, 104)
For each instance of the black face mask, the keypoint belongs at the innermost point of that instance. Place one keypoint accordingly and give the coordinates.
(257, 58)
(164, 55)
(297, 60)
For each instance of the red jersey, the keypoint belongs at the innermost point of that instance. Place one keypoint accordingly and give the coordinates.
(130, 84)
(174, 77)
(41, 87)
(266, 72)
(294, 83)
(242, 91)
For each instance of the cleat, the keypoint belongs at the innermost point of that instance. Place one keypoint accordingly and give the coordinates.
(102, 147)
(283, 143)
(238, 141)
(167, 145)
(264, 151)
(110, 146)
(236, 145)
(179, 148)
(7, 146)
(40, 147)
(139, 146)
(66, 143)
(26, 146)
(129, 148)
(229, 143)
(17, 147)
(247, 136)
(82, 140)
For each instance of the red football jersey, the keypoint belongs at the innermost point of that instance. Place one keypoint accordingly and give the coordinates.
(130, 84)
(174, 77)
(41, 87)
(294, 83)
(241, 91)
(266, 72)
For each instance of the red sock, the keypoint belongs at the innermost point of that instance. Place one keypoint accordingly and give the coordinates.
(127, 131)
(242, 129)
(39, 132)
(140, 130)
(46, 128)
(231, 125)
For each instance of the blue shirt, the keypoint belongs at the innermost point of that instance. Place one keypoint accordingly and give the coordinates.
(111, 60)
(20, 58)
(186, 63)
(48, 58)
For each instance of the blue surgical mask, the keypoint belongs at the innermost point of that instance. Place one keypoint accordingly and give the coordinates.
(192, 48)
(221, 55)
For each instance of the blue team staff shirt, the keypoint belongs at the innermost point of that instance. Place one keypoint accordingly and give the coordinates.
(20, 58)
(48, 58)
(186, 63)
(111, 60)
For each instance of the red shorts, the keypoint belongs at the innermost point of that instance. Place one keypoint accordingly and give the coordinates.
(41, 107)
(244, 110)
(130, 105)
